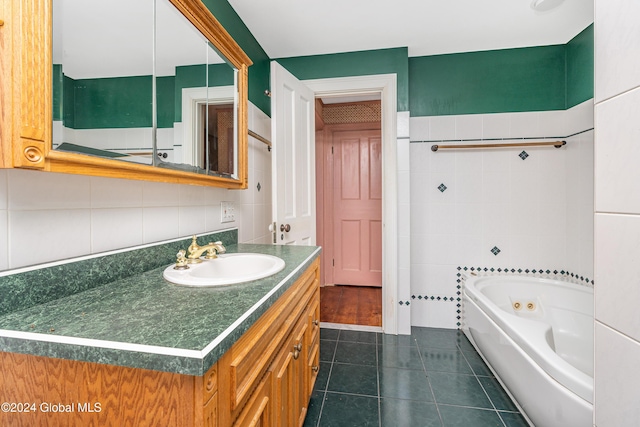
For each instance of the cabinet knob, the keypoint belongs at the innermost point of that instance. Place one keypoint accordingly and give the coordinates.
(298, 346)
(316, 322)
(315, 368)
(296, 354)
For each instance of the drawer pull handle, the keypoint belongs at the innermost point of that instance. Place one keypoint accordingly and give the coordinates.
(316, 322)
(296, 354)
(315, 368)
(298, 346)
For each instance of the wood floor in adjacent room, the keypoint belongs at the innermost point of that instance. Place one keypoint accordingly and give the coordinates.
(353, 305)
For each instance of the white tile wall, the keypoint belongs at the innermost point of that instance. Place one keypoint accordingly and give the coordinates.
(617, 41)
(77, 215)
(116, 228)
(494, 198)
(617, 94)
(616, 378)
(618, 244)
(618, 152)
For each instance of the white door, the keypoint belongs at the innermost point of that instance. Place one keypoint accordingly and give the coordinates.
(293, 159)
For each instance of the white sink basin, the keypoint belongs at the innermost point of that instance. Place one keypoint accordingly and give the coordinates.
(227, 269)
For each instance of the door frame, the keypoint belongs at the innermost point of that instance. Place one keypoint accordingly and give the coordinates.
(386, 85)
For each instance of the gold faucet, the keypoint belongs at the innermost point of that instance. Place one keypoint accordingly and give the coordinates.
(212, 249)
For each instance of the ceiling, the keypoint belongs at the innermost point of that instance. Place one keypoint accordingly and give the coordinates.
(288, 28)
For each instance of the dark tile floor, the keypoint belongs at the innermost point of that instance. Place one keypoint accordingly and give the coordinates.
(433, 377)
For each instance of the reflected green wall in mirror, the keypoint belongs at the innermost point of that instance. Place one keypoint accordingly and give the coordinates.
(125, 102)
(117, 102)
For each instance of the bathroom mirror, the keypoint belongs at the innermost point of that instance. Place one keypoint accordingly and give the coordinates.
(151, 89)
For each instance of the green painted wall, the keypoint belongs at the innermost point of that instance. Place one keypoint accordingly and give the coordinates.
(383, 61)
(57, 92)
(165, 101)
(119, 102)
(580, 51)
(527, 79)
(125, 102)
(259, 71)
(68, 99)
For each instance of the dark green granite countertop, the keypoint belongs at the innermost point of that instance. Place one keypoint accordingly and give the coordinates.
(143, 321)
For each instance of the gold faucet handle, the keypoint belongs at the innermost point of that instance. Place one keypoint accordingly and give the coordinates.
(181, 261)
(215, 248)
(211, 253)
(220, 247)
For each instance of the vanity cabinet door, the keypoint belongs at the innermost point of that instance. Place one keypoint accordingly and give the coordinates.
(257, 412)
(210, 418)
(313, 342)
(289, 380)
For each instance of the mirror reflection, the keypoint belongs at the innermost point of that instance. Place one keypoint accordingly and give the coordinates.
(137, 82)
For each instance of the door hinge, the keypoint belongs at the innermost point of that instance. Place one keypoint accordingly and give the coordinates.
(274, 231)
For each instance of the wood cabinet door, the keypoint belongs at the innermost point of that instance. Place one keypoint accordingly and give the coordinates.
(257, 413)
(313, 342)
(289, 385)
(210, 412)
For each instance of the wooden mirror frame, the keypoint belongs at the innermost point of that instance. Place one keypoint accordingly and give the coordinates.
(26, 108)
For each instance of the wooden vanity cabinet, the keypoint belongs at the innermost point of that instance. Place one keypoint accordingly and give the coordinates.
(264, 379)
(275, 347)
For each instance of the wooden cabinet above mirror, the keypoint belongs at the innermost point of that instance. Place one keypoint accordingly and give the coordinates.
(116, 131)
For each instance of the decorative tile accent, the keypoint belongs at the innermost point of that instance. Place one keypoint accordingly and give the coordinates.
(495, 251)
(434, 298)
(547, 274)
(523, 155)
(442, 187)
(259, 187)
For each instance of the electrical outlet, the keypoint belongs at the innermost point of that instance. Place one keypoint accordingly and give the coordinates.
(227, 212)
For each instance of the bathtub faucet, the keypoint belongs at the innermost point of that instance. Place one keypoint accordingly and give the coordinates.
(212, 249)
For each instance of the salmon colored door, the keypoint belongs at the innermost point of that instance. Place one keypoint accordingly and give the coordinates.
(357, 207)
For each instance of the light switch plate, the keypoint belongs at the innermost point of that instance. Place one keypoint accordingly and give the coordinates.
(227, 212)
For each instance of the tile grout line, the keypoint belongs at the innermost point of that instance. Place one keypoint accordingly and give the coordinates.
(378, 379)
(433, 395)
(480, 383)
(326, 386)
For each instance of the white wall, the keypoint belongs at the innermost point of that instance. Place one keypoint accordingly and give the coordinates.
(47, 216)
(617, 218)
(536, 211)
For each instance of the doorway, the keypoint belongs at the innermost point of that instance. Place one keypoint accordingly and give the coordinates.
(394, 247)
(349, 208)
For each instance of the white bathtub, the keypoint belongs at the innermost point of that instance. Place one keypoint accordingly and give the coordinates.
(537, 337)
